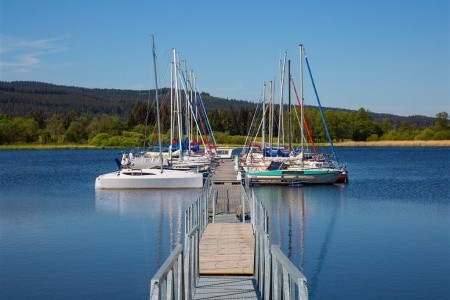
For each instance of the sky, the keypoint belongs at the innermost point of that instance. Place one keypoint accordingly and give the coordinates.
(386, 56)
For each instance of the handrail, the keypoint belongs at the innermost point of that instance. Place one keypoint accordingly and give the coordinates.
(286, 277)
(177, 277)
(167, 281)
(276, 276)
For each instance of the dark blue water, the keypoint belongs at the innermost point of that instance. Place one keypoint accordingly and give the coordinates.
(384, 235)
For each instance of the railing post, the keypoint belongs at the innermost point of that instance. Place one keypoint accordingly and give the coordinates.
(187, 283)
(154, 290)
(275, 279)
(286, 285)
(169, 285)
(267, 265)
(180, 277)
(214, 205)
(302, 290)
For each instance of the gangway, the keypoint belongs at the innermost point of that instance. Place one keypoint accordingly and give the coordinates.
(227, 253)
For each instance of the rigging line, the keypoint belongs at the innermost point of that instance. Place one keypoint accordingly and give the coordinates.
(304, 120)
(206, 132)
(203, 113)
(299, 122)
(249, 133)
(320, 109)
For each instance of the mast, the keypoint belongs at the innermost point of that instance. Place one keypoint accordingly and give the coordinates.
(320, 109)
(186, 106)
(280, 117)
(171, 111)
(301, 99)
(264, 121)
(272, 83)
(157, 102)
(289, 109)
(177, 101)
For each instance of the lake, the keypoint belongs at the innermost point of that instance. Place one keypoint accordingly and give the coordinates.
(383, 235)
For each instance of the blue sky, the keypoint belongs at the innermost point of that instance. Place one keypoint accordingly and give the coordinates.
(387, 56)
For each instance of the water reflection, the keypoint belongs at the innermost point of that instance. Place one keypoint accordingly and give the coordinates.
(301, 214)
(286, 210)
(161, 210)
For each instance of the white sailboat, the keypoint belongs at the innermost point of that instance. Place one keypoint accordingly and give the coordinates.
(183, 152)
(155, 176)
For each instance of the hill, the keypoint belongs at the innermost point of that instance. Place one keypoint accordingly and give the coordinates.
(26, 98)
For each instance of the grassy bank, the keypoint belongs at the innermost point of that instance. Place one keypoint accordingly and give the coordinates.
(46, 147)
(443, 143)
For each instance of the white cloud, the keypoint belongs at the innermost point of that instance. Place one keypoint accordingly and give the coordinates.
(21, 56)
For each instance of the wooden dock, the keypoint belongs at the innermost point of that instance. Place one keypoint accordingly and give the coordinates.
(227, 246)
(227, 249)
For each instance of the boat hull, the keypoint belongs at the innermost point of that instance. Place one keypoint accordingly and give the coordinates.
(149, 179)
(311, 176)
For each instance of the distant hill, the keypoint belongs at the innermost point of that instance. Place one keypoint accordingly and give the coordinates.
(27, 98)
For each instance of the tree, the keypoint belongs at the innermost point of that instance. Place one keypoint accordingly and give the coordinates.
(364, 126)
(139, 114)
(441, 121)
(76, 133)
(54, 129)
(105, 124)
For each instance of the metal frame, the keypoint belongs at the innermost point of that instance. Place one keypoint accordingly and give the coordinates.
(276, 276)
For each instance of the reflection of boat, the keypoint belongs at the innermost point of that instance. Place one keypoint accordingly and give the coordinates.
(150, 178)
(159, 211)
(152, 203)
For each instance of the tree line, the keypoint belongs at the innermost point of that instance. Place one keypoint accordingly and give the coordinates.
(42, 113)
(230, 126)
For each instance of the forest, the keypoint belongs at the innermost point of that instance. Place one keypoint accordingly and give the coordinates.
(45, 114)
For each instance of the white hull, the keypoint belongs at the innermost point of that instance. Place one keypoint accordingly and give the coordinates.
(149, 179)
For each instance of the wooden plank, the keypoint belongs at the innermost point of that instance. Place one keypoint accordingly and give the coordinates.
(228, 198)
(227, 249)
(225, 172)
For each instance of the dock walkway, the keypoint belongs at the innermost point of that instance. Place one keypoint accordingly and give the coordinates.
(226, 255)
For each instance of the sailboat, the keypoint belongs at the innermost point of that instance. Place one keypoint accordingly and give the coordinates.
(155, 176)
(298, 168)
(188, 117)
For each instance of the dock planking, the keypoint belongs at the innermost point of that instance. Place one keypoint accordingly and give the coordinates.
(227, 249)
(227, 246)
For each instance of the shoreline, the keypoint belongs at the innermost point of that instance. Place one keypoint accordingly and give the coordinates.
(437, 143)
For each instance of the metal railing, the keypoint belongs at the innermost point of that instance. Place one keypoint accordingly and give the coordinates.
(177, 277)
(168, 280)
(276, 276)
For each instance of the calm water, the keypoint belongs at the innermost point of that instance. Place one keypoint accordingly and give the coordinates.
(384, 235)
